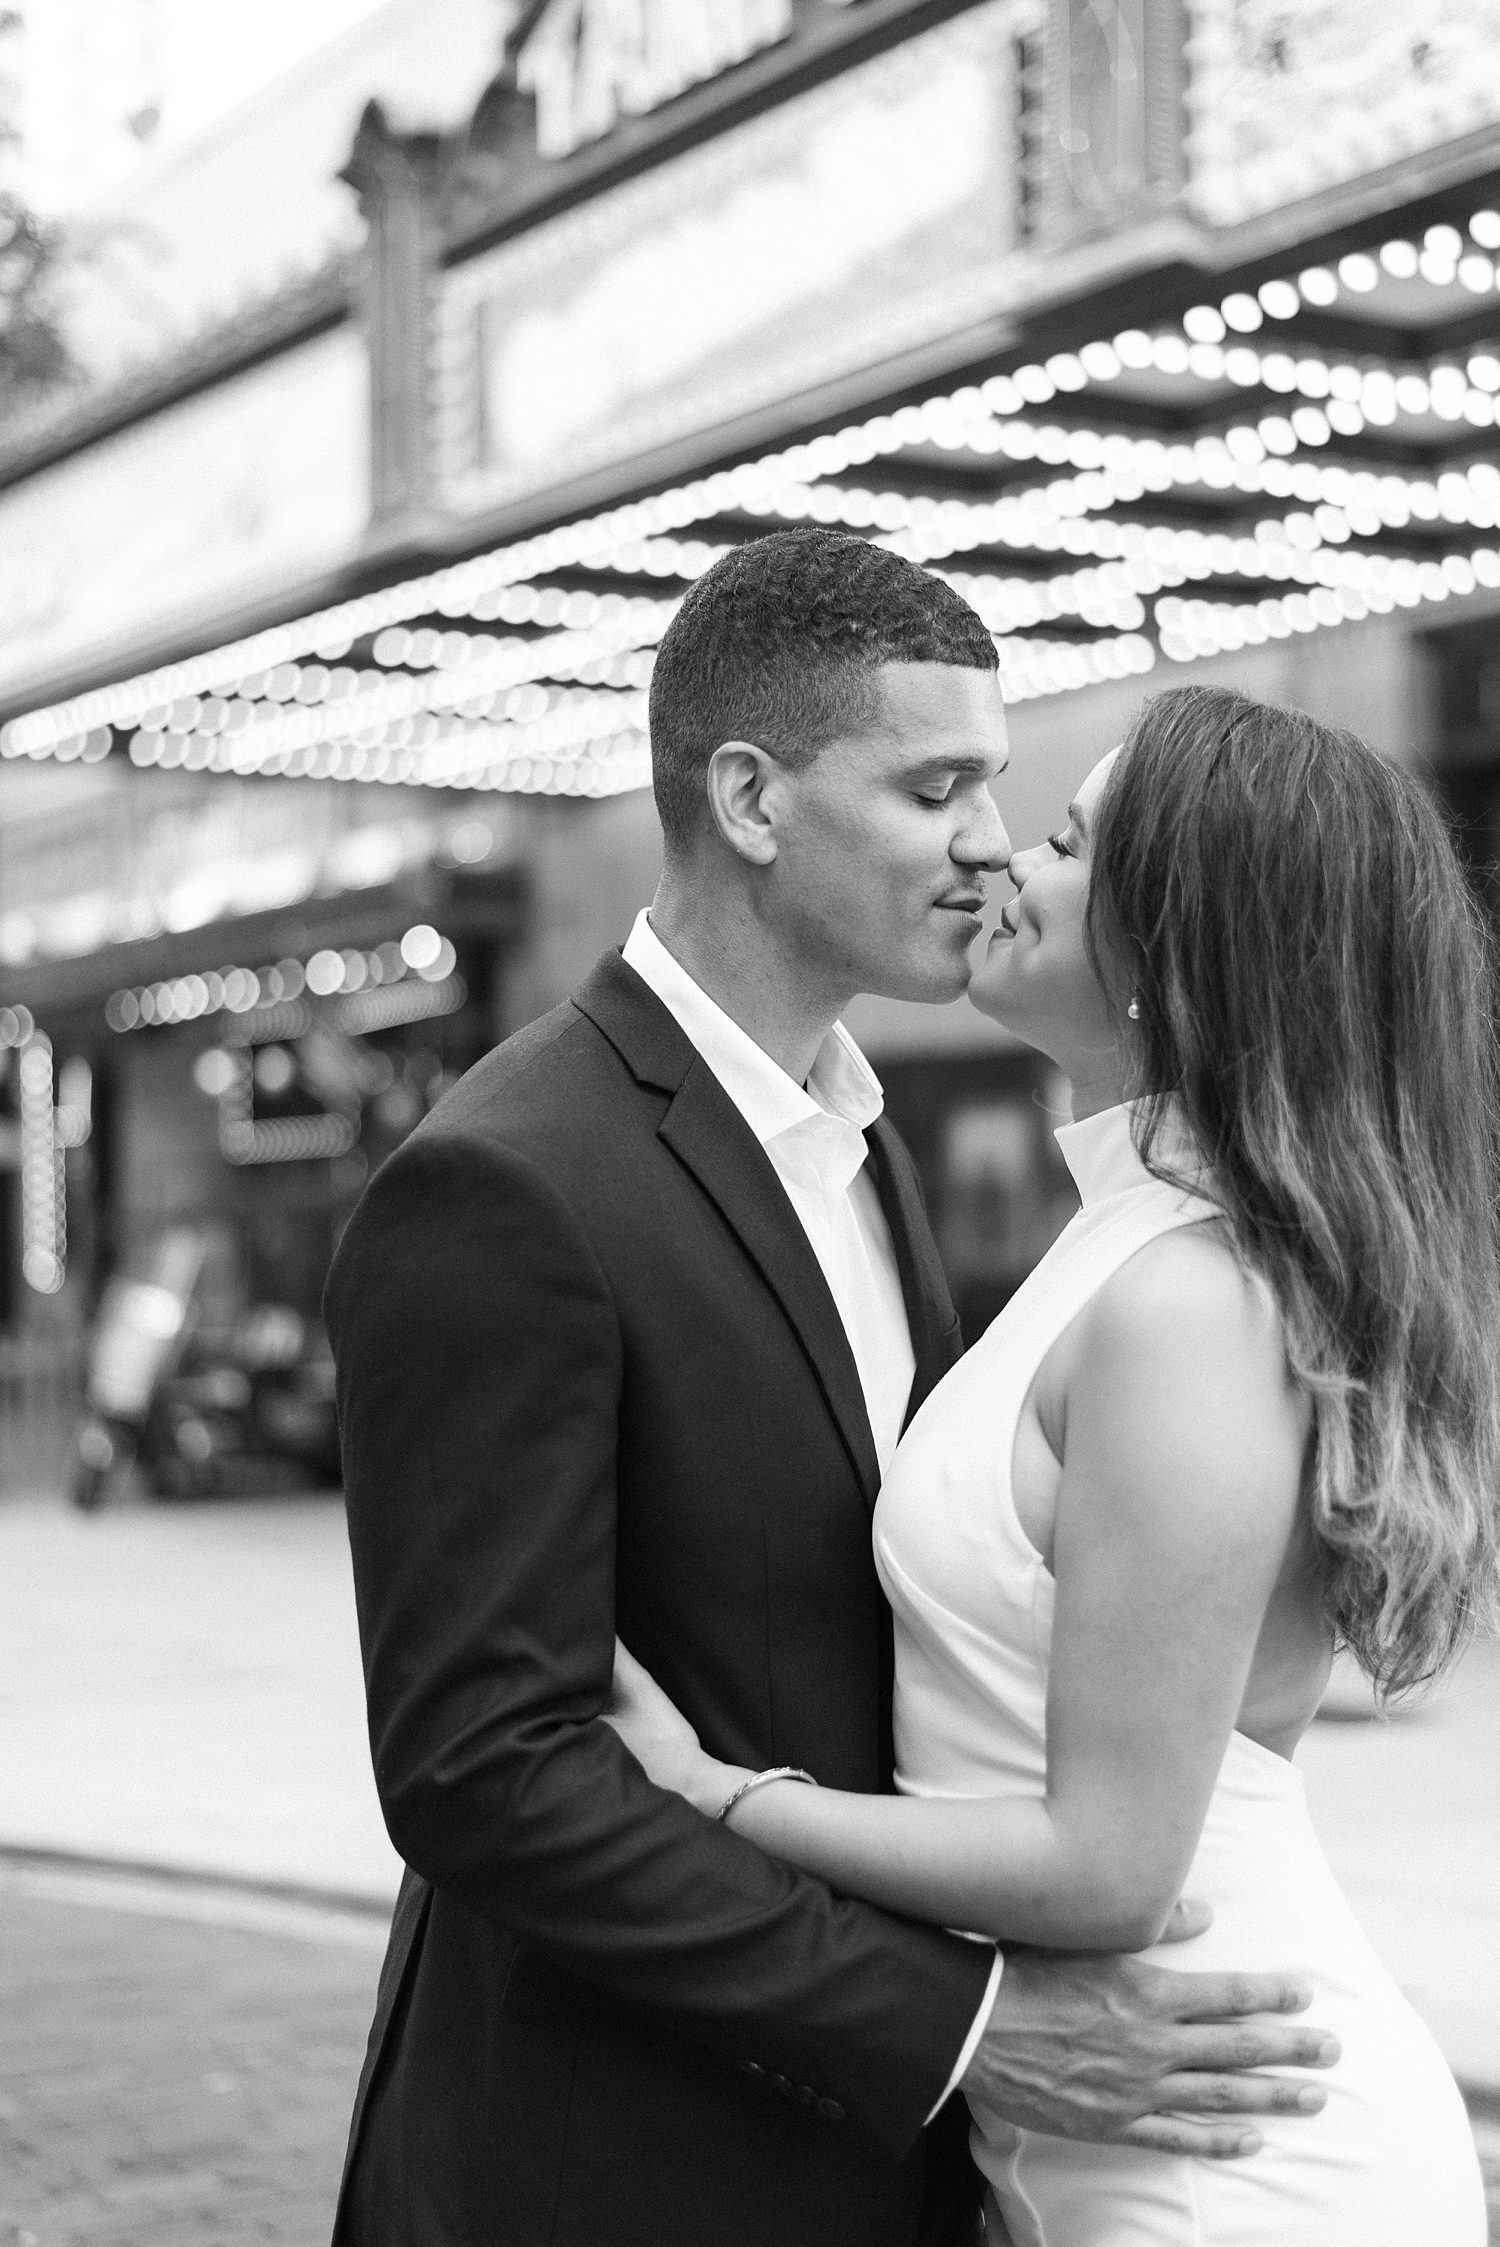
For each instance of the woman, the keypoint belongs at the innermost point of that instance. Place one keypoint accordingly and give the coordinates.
(1245, 1410)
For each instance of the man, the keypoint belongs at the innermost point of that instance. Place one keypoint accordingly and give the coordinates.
(626, 1333)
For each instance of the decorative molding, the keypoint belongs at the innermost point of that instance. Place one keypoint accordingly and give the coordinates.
(402, 184)
(1289, 97)
(861, 218)
(1110, 151)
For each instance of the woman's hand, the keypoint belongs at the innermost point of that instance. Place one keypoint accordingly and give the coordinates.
(662, 1741)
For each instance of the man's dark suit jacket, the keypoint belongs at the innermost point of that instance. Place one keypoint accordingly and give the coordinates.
(591, 1376)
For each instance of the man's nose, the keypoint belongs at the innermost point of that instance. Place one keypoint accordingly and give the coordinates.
(983, 840)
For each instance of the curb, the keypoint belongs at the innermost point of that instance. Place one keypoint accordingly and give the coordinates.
(208, 1897)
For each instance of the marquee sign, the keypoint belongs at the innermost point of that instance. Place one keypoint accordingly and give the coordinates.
(166, 525)
(588, 63)
(1289, 96)
(866, 216)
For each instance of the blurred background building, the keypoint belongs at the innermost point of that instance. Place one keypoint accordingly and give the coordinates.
(417, 362)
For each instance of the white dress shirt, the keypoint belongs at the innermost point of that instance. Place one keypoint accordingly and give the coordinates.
(814, 1138)
(816, 1143)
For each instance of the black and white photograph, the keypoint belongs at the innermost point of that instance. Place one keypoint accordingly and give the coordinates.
(749, 1123)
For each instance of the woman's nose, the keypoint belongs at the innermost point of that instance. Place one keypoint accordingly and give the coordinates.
(1024, 863)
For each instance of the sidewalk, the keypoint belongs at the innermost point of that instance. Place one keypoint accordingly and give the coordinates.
(180, 1686)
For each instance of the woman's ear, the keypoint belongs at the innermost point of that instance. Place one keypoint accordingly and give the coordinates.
(737, 781)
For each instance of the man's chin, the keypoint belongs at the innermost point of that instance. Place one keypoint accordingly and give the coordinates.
(936, 986)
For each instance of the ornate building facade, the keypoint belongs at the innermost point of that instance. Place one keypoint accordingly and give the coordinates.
(1169, 329)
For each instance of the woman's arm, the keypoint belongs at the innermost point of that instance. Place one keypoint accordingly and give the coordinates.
(1183, 1455)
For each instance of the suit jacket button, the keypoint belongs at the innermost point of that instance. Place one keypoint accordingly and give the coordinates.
(806, 2095)
(830, 2110)
(752, 2067)
(783, 2083)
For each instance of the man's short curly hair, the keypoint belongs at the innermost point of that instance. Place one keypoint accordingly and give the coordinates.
(781, 644)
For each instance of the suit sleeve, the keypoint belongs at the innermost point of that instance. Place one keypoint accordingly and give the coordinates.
(479, 1372)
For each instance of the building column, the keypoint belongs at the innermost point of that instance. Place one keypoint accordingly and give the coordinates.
(400, 180)
(1113, 121)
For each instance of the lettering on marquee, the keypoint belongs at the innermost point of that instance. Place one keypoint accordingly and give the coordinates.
(591, 62)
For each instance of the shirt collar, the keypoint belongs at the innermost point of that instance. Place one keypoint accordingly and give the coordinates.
(840, 1083)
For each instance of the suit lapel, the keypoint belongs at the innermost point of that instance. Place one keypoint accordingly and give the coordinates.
(706, 1131)
(709, 1136)
(936, 1344)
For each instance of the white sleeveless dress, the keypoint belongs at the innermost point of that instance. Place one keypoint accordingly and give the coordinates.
(1390, 2161)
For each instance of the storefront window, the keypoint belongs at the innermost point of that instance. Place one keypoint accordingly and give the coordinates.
(998, 1193)
(1466, 751)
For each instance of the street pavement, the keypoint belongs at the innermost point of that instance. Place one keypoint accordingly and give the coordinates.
(180, 1696)
(174, 2072)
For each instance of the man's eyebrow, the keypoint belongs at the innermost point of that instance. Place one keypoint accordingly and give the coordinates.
(961, 761)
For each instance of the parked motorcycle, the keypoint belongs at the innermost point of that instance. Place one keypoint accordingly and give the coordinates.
(202, 1409)
(141, 1327)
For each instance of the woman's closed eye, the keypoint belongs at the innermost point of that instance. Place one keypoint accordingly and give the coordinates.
(1059, 843)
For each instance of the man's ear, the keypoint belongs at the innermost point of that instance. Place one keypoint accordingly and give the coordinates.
(738, 778)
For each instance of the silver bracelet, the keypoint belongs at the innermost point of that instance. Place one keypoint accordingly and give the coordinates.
(762, 1779)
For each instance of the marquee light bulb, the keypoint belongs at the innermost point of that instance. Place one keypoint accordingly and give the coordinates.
(421, 946)
(1279, 299)
(1100, 361)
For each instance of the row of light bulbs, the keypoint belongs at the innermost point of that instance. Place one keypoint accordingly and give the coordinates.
(44, 1205)
(421, 951)
(471, 672)
(427, 745)
(313, 705)
(1358, 393)
(366, 737)
(601, 749)
(1192, 628)
(394, 706)
(501, 585)
(284, 1139)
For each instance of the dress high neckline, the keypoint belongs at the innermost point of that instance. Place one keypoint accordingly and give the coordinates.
(1101, 1151)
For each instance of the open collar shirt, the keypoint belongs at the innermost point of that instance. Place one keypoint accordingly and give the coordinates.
(814, 1137)
(816, 1142)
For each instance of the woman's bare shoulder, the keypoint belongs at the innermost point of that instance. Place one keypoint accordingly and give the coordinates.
(1185, 1305)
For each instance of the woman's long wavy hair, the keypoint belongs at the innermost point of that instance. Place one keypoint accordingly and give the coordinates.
(1315, 987)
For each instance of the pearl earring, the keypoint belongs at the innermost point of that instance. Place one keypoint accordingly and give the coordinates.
(1134, 1010)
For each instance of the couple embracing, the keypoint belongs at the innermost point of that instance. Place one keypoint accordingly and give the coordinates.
(846, 1785)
